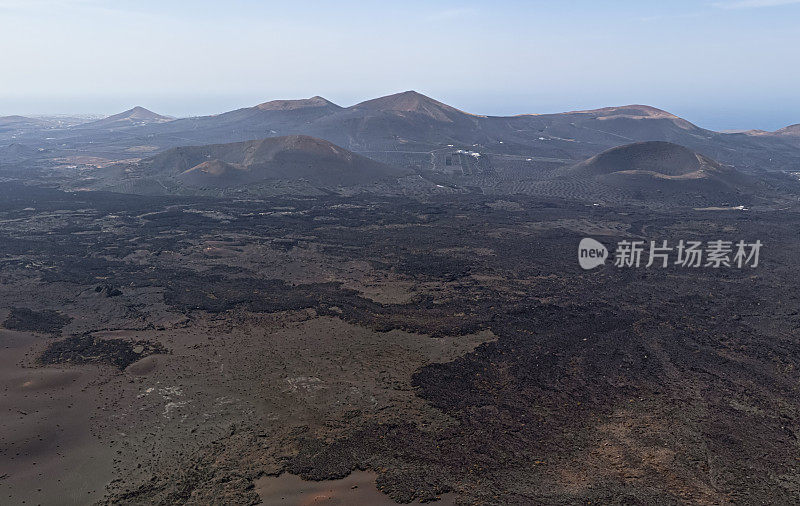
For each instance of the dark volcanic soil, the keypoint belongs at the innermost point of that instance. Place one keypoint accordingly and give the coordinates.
(46, 321)
(450, 346)
(87, 349)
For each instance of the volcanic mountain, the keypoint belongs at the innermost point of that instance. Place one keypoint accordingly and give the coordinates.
(655, 158)
(316, 103)
(277, 117)
(407, 121)
(138, 116)
(290, 158)
(658, 170)
(410, 103)
(629, 122)
(405, 129)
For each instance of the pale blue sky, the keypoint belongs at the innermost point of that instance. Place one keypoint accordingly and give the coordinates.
(723, 64)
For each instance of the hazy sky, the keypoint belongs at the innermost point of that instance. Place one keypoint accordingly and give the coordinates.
(722, 64)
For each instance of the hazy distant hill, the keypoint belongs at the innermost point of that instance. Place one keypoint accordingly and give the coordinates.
(275, 118)
(11, 125)
(790, 134)
(316, 103)
(793, 130)
(138, 116)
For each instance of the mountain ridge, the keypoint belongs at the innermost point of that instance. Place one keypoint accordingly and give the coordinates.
(404, 128)
(294, 157)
